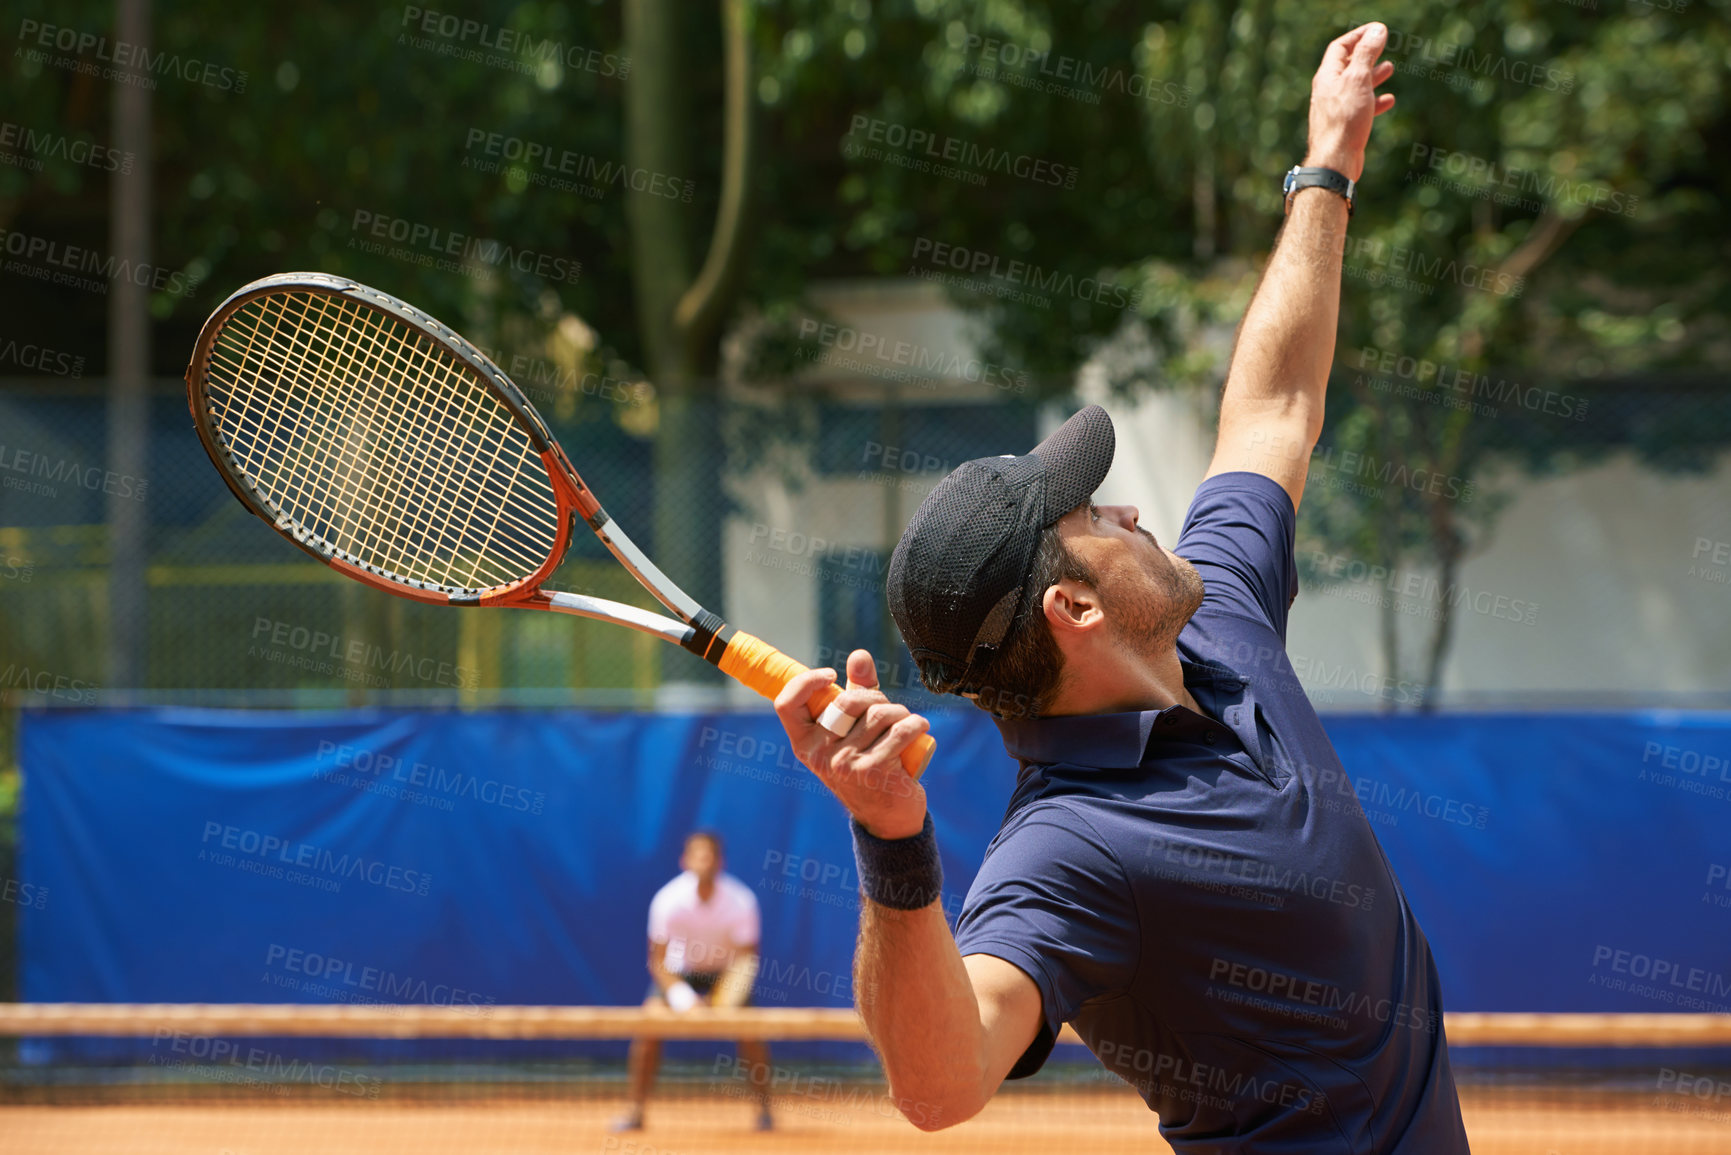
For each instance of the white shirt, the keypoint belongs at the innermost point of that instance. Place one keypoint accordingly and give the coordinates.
(703, 936)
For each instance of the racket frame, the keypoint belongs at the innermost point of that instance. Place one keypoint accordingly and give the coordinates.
(572, 494)
(698, 630)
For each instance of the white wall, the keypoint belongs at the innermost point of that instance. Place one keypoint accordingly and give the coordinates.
(1585, 593)
(1589, 592)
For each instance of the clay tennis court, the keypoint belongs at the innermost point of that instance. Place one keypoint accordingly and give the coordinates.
(1524, 1090)
(1106, 1121)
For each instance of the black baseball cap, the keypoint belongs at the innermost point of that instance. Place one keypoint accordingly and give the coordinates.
(957, 579)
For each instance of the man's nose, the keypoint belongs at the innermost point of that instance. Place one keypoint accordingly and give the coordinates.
(1125, 515)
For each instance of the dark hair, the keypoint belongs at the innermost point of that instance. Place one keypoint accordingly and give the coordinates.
(708, 836)
(1022, 678)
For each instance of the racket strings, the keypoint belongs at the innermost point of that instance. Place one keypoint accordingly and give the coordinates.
(356, 335)
(373, 439)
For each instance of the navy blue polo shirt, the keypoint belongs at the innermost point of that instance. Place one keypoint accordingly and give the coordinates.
(1202, 900)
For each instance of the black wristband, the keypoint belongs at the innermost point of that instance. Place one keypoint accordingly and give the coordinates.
(900, 873)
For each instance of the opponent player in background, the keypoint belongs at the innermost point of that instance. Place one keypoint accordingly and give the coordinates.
(703, 934)
(1178, 875)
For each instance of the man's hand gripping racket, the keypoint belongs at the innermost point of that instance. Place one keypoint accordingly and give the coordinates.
(865, 768)
(382, 443)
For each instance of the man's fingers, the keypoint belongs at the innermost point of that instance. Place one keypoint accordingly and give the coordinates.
(1340, 48)
(1384, 103)
(790, 704)
(861, 671)
(1368, 46)
(878, 718)
(1382, 73)
(887, 750)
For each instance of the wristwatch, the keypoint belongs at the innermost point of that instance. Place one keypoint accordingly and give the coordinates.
(1300, 177)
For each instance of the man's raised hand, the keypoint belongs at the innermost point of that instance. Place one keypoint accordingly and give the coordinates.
(1344, 100)
(863, 769)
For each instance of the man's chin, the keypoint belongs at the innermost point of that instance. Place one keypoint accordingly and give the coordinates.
(1190, 588)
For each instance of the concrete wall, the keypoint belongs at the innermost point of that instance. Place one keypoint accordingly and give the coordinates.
(1607, 586)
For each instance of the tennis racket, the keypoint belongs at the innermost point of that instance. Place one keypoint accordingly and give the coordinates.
(391, 449)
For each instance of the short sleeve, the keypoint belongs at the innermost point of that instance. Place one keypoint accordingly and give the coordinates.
(661, 915)
(747, 924)
(1239, 534)
(1052, 899)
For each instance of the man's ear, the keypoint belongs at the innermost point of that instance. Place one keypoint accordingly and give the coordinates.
(1072, 609)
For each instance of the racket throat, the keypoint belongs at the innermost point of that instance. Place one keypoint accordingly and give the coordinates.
(708, 637)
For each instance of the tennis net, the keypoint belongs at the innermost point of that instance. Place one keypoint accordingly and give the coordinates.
(257, 1080)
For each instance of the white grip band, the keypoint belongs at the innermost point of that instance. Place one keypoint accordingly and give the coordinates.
(836, 720)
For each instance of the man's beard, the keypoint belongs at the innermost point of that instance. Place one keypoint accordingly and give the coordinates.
(1151, 616)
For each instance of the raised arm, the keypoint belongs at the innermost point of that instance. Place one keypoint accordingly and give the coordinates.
(1272, 407)
(947, 1028)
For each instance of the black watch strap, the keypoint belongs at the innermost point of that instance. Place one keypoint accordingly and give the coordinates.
(1300, 177)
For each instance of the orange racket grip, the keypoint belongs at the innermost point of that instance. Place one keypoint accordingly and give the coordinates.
(767, 670)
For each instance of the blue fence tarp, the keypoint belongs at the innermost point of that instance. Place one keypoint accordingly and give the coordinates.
(1558, 862)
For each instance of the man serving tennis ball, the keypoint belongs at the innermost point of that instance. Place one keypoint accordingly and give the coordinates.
(1167, 878)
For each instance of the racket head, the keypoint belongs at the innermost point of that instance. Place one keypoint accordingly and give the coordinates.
(381, 442)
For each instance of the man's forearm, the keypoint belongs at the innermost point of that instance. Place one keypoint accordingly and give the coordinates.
(663, 977)
(918, 1003)
(1286, 343)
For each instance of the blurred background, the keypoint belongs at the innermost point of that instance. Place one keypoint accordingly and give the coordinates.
(771, 268)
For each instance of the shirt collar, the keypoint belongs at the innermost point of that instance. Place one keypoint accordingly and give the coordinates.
(1118, 741)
